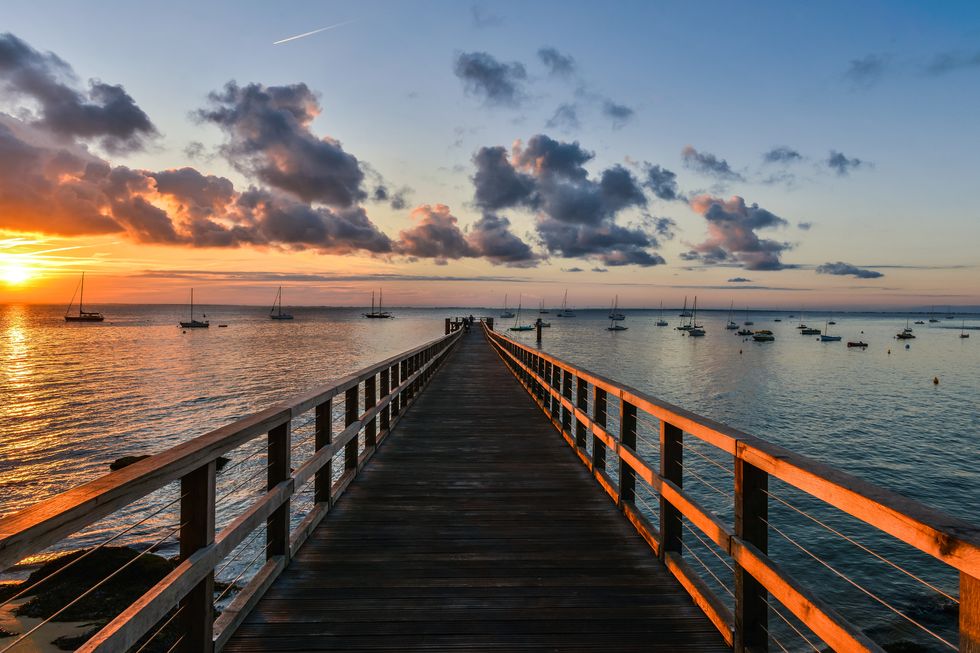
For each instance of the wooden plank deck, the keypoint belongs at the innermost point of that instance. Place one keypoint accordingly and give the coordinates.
(475, 528)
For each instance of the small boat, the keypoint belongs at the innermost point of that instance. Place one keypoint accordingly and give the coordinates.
(906, 333)
(82, 315)
(932, 314)
(222, 326)
(614, 313)
(543, 310)
(379, 314)
(192, 323)
(615, 327)
(949, 314)
(859, 343)
(695, 330)
(684, 312)
(744, 332)
(763, 336)
(918, 322)
(565, 311)
(661, 321)
(517, 322)
(777, 320)
(544, 325)
(747, 321)
(506, 313)
(276, 311)
(731, 326)
(683, 327)
(826, 337)
(801, 325)
(963, 334)
(809, 331)
(833, 323)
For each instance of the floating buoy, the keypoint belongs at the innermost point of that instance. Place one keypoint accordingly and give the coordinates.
(908, 346)
(935, 380)
(740, 351)
(889, 352)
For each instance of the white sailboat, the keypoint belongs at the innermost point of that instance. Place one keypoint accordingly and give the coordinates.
(696, 330)
(614, 313)
(684, 312)
(565, 311)
(661, 321)
(192, 323)
(506, 313)
(517, 321)
(276, 311)
(731, 325)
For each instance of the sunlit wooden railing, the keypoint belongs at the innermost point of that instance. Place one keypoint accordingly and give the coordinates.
(373, 398)
(577, 403)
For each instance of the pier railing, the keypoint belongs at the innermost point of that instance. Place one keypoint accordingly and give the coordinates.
(372, 401)
(583, 406)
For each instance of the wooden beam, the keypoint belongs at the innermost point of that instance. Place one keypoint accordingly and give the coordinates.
(671, 469)
(197, 491)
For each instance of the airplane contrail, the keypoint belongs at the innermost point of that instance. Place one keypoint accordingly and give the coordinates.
(316, 31)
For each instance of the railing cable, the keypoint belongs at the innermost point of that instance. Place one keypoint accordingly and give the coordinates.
(160, 630)
(791, 625)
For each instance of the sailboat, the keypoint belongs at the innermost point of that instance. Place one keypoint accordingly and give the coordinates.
(517, 321)
(696, 330)
(613, 326)
(276, 311)
(949, 313)
(192, 323)
(963, 334)
(380, 313)
(826, 337)
(801, 325)
(747, 321)
(932, 315)
(614, 313)
(565, 311)
(542, 310)
(82, 315)
(906, 333)
(684, 312)
(731, 325)
(506, 313)
(661, 321)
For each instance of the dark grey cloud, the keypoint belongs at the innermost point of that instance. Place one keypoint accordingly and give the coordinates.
(846, 269)
(708, 164)
(739, 280)
(948, 62)
(575, 269)
(104, 113)
(619, 114)
(397, 199)
(782, 155)
(866, 71)
(843, 165)
(491, 238)
(598, 269)
(805, 226)
(495, 82)
(661, 182)
(558, 64)
(732, 236)
(497, 183)
(436, 235)
(609, 243)
(269, 138)
(565, 118)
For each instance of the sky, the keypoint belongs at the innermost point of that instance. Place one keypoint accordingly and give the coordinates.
(767, 154)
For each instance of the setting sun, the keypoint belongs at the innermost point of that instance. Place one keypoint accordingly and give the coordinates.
(14, 273)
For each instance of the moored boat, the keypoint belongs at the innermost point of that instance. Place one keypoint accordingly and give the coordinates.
(192, 323)
(763, 335)
(82, 315)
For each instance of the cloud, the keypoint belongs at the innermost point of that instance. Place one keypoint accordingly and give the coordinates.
(397, 199)
(495, 82)
(708, 164)
(436, 235)
(619, 114)
(732, 236)
(558, 64)
(597, 269)
(483, 17)
(739, 280)
(565, 118)
(104, 113)
(575, 269)
(866, 71)
(491, 238)
(843, 165)
(661, 182)
(805, 226)
(576, 213)
(269, 139)
(846, 269)
(782, 155)
(948, 62)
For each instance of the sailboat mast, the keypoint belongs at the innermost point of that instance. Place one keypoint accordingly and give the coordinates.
(81, 297)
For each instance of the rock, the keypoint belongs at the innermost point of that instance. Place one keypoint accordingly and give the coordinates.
(221, 462)
(125, 461)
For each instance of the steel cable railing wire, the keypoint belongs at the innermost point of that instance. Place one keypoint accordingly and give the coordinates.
(241, 547)
(720, 582)
(247, 566)
(863, 547)
(159, 630)
(708, 547)
(243, 483)
(707, 458)
(779, 614)
(93, 588)
(775, 641)
(858, 586)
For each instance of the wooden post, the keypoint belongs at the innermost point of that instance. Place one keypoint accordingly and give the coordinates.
(197, 531)
(324, 436)
(566, 392)
(556, 384)
(537, 325)
(490, 323)
(969, 614)
(751, 514)
(277, 525)
(447, 326)
(385, 422)
(370, 400)
(627, 436)
(671, 459)
(599, 416)
(582, 403)
(350, 416)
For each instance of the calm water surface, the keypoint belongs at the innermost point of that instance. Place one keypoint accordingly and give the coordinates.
(74, 397)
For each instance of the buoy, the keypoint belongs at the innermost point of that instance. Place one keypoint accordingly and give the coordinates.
(889, 352)
(908, 346)
(740, 351)
(935, 380)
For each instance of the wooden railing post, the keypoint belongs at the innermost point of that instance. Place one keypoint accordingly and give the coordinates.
(350, 416)
(627, 437)
(751, 514)
(582, 403)
(555, 384)
(385, 419)
(671, 469)
(324, 436)
(197, 531)
(370, 400)
(599, 416)
(277, 525)
(566, 392)
(396, 380)
(969, 613)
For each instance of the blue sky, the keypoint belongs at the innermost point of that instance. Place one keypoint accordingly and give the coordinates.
(893, 85)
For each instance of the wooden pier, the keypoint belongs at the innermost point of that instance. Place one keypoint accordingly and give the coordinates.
(476, 493)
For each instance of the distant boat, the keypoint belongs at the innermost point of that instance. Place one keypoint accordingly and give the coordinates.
(517, 325)
(695, 330)
(614, 313)
(801, 325)
(859, 343)
(276, 311)
(615, 327)
(918, 322)
(544, 325)
(932, 314)
(684, 312)
(747, 322)
(661, 321)
(565, 311)
(777, 320)
(379, 314)
(826, 337)
(833, 323)
(731, 325)
(542, 310)
(949, 313)
(906, 333)
(963, 334)
(809, 331)
(506, 313)
(763, 336)
(744, 332)
(192, 323)
(82, 315)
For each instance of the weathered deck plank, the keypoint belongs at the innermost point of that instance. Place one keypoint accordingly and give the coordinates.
(475, 528)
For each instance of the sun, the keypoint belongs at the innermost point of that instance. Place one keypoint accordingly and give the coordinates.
(14, 274)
